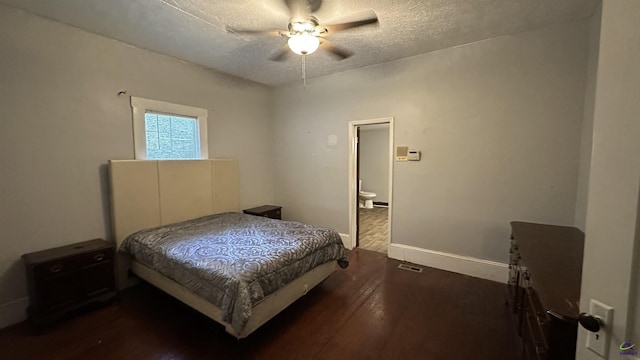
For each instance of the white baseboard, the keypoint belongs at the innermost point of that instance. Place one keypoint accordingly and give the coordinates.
(484, 269)
(346, 240)
(13, 312)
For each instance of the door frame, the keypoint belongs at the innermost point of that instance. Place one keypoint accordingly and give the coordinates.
(353, 180)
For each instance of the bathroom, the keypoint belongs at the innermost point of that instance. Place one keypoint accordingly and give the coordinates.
(373, 187)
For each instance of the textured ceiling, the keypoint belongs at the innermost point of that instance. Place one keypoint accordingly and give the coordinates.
(194, 30)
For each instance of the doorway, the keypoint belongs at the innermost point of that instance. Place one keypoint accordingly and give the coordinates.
(370, 183)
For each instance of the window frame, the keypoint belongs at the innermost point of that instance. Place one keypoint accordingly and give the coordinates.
(140, 106)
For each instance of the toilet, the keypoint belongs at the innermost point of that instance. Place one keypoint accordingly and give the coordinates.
(365, 197)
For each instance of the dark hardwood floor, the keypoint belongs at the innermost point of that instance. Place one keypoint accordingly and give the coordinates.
(372, 310)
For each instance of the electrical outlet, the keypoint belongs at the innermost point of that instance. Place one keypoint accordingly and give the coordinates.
(598, 342)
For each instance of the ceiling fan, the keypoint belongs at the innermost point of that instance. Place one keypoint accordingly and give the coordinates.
(305, 33)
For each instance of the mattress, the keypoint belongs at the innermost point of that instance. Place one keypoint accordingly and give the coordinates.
(235, 260)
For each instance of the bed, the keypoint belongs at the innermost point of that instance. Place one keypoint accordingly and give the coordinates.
(177, 226)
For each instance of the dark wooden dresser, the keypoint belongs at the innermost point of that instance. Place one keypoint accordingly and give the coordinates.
(270, 211)
(544, 288)
(66, 278)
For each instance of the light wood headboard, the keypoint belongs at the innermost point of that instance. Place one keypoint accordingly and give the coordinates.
(149, 193)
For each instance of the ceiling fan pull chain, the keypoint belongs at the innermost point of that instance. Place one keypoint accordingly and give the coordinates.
(304, 71)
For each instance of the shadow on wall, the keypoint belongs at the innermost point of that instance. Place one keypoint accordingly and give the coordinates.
(103, 173)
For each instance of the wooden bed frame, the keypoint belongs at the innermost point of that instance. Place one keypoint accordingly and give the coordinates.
(149, 193)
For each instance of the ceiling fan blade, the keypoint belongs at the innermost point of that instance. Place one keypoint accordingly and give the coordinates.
(337, 52)
(233, 30)
(281, 55)
(333, 28)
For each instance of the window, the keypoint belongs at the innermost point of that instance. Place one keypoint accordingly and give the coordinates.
(166, 131)
(171, 136)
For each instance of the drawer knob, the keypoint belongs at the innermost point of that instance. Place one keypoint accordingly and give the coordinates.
(98, 257)
(55, 268)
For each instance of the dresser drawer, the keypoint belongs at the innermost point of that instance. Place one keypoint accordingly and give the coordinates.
(538, 314)
(54, 293)
(97, 279)
(534, 345)
(536, 328)
(57, 267)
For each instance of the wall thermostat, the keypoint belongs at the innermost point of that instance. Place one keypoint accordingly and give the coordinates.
(414, 155)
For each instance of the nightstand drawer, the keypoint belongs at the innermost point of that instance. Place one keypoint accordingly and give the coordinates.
(56, 267)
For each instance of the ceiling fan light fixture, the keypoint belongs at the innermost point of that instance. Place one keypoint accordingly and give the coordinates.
(303, 26)
(304, 43)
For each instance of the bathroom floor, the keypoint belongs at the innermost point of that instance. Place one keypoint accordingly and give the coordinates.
(374, 228)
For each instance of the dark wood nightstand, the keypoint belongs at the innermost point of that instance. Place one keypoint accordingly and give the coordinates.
(270, 211)
(69, 277)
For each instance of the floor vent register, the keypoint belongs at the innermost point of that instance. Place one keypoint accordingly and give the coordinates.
(410, 267)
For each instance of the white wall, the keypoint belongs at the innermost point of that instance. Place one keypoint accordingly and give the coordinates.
(374, 161)
(498, 123)
(612, 226)
(61, 121)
